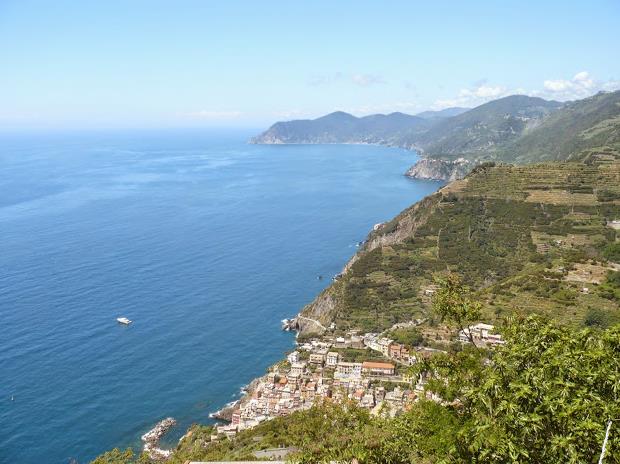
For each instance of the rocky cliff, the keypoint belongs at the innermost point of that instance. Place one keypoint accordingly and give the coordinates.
(436, 169)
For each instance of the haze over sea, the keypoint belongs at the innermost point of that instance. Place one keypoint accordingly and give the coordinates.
(205, 242)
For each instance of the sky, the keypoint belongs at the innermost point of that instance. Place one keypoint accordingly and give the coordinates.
(193, 63)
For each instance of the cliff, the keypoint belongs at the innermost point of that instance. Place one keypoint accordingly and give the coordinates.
(436, 169)
(529, 237)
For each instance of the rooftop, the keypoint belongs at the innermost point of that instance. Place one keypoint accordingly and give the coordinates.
(376, 365)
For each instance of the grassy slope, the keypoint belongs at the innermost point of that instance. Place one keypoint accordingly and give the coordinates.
(498, 228)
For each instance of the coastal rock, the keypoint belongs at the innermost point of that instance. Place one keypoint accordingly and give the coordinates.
(436, 169)
(312, 317)
(152, 437)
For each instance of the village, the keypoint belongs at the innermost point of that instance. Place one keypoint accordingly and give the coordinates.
(369, 369)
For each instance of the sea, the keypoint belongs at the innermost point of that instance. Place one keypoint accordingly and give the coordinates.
(204, 241)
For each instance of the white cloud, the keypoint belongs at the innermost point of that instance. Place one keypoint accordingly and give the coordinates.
(365, 80)
(472, 97)
(213, 115)
(324, 79)
(581, 85)
(361, 79)
(611, 85)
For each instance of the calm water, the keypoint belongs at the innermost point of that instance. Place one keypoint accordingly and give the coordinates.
(204, 241)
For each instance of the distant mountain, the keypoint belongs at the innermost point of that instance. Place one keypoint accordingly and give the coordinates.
(514, 129)
(341, 127)
(574, 132)
(484, 128)
(441, 114)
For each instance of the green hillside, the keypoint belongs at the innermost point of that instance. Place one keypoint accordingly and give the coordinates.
(572, 132)
(529, 238)
(341, 127)
(483, 129)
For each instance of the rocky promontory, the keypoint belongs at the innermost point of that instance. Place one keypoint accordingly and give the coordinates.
(436, 169)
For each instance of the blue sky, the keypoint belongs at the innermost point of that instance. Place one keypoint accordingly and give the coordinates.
(139, 63)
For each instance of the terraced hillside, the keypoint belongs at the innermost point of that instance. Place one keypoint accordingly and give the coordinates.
(530, 238)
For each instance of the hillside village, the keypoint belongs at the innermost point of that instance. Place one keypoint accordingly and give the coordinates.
(369, 369)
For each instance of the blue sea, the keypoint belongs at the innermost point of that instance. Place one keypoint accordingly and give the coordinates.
(204, 241)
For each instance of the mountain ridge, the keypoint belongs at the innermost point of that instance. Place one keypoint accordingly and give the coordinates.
(513, 129)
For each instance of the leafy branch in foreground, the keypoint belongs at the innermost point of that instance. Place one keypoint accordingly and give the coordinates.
(454, 304)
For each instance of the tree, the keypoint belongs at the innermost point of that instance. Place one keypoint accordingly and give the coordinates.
(544, 396)
(453, 304)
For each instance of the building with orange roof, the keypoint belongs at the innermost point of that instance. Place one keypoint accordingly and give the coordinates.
(377, 368)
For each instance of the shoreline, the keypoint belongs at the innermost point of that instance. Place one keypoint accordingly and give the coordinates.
(225, 413)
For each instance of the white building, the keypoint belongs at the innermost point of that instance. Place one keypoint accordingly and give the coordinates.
(332, 359)
(480, 332)
(298, 368)
(317, 358)
(384, 346)
(348, 370)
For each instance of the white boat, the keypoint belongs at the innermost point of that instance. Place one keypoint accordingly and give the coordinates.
(123, 320)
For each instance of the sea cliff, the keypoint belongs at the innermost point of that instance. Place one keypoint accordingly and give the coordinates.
(436, 169)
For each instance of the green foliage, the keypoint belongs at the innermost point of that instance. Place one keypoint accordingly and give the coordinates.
(454, 304)
(612, 252)
(410, 336)
(485, 127)
(596, 318)
(607, 195)
(545, 397)
(610, 289)
(116, 456)
(358, 355)
(569, 132)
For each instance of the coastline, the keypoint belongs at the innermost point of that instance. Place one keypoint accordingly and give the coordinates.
(425, 168)
(225, 412)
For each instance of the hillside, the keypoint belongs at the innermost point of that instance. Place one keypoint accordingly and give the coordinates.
(447, 133)
(341, 127)
(442, 114)
(570, 133)
(514, 129)
(479, 131)
(530, 237)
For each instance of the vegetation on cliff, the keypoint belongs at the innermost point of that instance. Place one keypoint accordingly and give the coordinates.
(527, 239)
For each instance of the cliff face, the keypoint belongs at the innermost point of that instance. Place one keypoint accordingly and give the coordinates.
(435, 169)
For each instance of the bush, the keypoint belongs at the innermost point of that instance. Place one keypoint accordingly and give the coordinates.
(612, 252)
